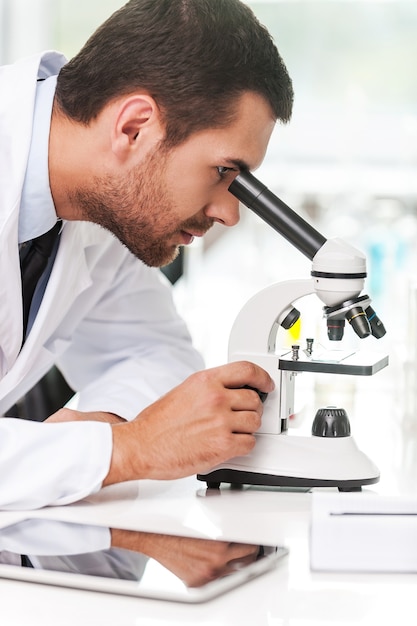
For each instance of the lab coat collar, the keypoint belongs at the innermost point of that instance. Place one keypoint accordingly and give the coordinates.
(58, 298)
(17, 89)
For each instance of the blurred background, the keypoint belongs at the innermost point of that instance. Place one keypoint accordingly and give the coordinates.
(346, 162)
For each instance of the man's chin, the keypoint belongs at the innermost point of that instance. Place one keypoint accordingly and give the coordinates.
(160, 258)
(174, 254)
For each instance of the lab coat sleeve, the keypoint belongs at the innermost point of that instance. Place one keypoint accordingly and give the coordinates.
(51, 464)
(132, 346)
(45, 537)
(69, 547)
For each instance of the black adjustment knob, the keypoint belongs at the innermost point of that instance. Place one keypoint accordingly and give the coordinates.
(331, 422)
(262, 394)
(290, 319)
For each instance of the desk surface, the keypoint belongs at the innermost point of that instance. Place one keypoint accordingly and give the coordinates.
(291, 594)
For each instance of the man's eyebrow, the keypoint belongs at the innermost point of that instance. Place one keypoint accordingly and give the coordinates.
(238, 164)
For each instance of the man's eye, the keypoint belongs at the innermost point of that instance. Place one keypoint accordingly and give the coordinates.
(223, 171)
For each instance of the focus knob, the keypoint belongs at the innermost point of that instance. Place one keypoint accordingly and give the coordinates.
(331, 422)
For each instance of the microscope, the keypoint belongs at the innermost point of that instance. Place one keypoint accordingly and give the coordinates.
(329, 457)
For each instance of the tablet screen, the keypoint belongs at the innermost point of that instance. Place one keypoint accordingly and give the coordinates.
(128, 562)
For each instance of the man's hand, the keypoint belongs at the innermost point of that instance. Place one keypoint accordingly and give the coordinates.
(195, 561)
(205, 421)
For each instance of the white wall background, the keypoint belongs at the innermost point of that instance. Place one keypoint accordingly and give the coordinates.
(347, 161)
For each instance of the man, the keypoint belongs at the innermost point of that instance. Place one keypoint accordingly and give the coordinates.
(133, 145)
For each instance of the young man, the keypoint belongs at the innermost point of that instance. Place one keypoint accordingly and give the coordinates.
(132, 145)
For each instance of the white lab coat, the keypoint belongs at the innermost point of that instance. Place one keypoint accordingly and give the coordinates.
(68, 547)
(106, 319)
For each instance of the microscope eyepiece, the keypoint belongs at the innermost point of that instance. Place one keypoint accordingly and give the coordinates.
(257, 197)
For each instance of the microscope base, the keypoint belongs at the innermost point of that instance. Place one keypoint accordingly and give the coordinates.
(237, 477)
(293, 461)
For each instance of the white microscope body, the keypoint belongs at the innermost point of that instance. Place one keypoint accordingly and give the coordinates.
(330, 456)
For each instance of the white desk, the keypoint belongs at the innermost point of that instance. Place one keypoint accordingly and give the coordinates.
(290, 595)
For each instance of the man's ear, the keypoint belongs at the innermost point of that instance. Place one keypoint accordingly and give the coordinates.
(137, 125)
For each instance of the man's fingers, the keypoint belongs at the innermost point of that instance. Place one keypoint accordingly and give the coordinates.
(244, 373)
(245, 422)
(245, 399)
(242, 444)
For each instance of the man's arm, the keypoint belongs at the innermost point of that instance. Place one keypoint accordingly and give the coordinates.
(206, 420)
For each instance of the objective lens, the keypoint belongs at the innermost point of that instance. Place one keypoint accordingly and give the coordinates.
(359, 322)
(335, 329)
(377, 327)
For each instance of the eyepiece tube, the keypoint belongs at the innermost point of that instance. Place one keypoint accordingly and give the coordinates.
(257, 197)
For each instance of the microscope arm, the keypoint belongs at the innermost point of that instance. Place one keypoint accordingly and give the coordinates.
(263, 314)
(253, 338)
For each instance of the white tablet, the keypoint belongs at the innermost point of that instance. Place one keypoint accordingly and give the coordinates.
(127, 562)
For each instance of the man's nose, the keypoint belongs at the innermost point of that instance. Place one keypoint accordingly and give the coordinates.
(224, 208)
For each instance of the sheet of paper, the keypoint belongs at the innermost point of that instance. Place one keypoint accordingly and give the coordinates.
(363, 532)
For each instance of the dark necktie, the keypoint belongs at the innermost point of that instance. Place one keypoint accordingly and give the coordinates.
(33, 265)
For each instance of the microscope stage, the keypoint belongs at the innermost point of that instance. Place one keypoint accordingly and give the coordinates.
(360, 363)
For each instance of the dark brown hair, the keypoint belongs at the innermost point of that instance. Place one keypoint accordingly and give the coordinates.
(195, 57)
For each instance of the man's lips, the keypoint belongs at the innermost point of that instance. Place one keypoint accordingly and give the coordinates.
(188, 238)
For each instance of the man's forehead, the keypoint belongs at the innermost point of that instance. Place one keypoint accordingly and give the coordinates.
(250, 132)
(240, 144)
